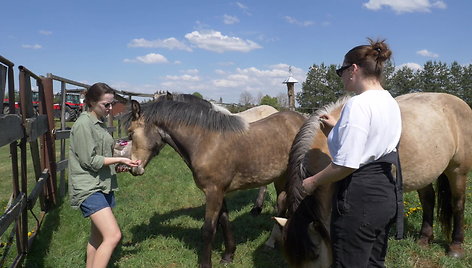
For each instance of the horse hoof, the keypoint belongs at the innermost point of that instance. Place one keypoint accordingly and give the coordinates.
(256, 211)
(456, 251)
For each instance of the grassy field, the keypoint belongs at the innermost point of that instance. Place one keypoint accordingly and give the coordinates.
(161, 214)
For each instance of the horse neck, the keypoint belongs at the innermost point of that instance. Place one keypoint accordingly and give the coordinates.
(184, 140)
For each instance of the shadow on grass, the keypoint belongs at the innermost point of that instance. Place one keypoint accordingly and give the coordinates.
(245, 228)
(42, 242)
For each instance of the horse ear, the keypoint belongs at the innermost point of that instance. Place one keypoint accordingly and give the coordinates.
(169, 96)
(281, 221)
(135, 109)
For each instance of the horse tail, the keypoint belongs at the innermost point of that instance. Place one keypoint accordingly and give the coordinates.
(444, 212)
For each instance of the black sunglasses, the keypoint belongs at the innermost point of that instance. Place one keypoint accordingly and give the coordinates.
(340, 71)
(108, 104)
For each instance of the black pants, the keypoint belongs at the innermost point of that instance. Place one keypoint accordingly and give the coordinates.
(364, 209)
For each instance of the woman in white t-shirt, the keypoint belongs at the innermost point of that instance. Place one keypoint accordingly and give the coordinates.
(367, 132)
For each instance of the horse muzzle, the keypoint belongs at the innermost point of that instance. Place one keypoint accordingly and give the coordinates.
(137, 171)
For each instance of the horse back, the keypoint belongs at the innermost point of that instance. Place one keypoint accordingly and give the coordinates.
(260, 155)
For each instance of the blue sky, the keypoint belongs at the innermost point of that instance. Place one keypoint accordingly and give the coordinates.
(222, 48)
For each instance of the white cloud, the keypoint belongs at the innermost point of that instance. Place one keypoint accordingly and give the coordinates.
(184, 77)
(426, 53)
(148, 59)
(229, 84)
(44, 32)
(35, 46)
(227, 19)
(253, 79)
(243, 8)
(413, 66)
(169, 43)
(215, 41)
(190, 71)
(405, 6)
(226, 63)
(297, 22)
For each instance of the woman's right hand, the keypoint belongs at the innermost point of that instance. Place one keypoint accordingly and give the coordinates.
(327, 123)
(129, 162)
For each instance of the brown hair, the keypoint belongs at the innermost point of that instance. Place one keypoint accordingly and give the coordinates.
(96, 91)
(370, 58)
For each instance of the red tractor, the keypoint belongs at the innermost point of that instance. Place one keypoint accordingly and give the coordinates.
(73, 107)
(6, 104)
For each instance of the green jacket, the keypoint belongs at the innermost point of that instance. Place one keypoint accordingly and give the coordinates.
(90, 143)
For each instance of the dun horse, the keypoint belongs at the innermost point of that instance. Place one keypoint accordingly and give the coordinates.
(223, 151)
(436, 144)
(250, 115)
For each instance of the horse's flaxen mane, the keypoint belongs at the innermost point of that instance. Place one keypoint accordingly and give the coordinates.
(192, 112)
(302, 143)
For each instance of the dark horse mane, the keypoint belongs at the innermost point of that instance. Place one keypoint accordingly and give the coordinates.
(188, 110)
(302, 209)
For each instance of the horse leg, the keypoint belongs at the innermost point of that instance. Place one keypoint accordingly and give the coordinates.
(230, 244)
(214, 200)
(257, 208)
(276, 232)
(457, 183)
(427, 199)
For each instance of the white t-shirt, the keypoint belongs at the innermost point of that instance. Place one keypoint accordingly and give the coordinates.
(369, 127)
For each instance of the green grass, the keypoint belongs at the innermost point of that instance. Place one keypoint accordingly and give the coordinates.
(161, 213)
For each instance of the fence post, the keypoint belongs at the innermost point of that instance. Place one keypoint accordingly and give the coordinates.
(48, 144)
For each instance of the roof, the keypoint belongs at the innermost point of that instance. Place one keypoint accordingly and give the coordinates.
(290, 80)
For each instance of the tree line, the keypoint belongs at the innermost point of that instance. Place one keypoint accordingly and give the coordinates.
(323, 86)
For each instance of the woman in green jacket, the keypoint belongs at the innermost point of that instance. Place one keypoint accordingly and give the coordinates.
(92, 175)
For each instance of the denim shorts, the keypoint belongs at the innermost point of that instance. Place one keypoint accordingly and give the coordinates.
(96, 202)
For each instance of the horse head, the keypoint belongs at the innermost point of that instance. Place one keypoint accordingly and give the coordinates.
(147, 139)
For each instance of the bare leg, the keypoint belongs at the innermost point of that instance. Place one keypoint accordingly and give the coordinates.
(104, 237)
(94, 241)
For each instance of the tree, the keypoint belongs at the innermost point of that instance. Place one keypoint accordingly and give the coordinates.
(197, 94)
(282, 99)
(466, 84)
(268, 100)
(433, 77)
(321, 87)
(403, 81)
(246, 98)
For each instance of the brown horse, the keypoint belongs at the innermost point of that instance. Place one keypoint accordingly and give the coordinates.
(222, 150)
(436, 144)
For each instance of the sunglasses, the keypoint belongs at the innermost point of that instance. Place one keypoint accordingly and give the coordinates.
(108, 104)
(340, 71)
